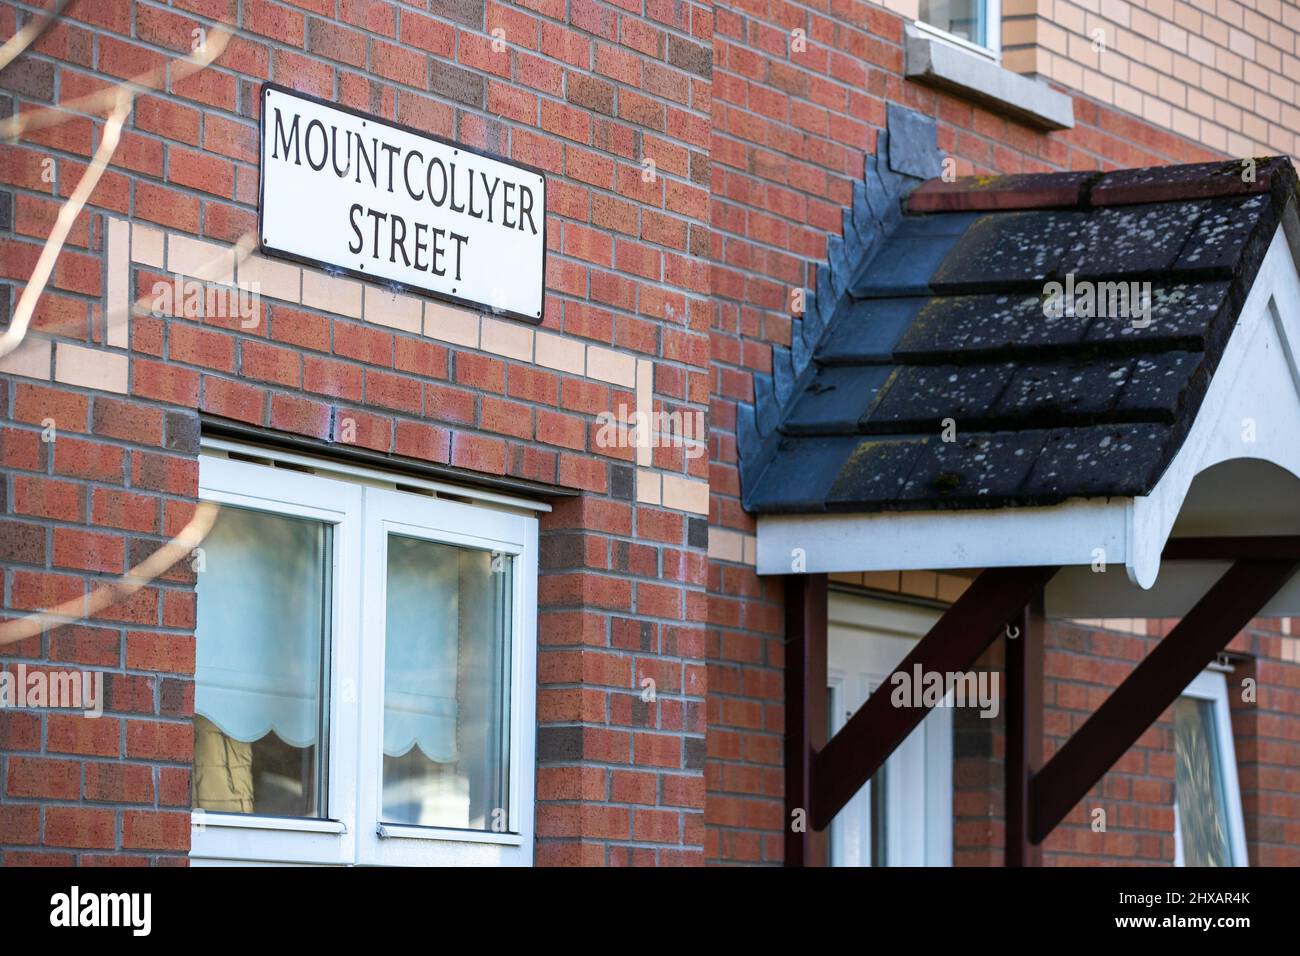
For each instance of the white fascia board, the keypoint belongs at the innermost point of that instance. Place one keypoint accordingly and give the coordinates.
(1062, 534)
(1256, 379)
(1251, 409)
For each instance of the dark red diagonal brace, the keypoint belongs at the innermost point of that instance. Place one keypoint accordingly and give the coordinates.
(966, 629)
(1154, 684)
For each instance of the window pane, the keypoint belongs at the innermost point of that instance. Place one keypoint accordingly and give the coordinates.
(962, 18)
(1202, 808)
(262, 632)
(446, 686)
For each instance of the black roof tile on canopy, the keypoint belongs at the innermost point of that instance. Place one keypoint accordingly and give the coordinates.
(933, 370)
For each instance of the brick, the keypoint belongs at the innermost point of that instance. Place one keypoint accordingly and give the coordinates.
(270, 363)
(156, 830)
(80, 827)
(508, 339)
(341, 296)
(91, 737)
(451, 324)
(42, 497)
(88, 551)
(34, 777)
(119, 783)
(271, 278)
(390, 309)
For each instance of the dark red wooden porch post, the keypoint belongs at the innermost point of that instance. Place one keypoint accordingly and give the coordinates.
(805, 713)
(1024, 730)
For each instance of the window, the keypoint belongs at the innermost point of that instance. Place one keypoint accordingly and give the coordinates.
(364, 669)
(902, 816)
(1208, 827)
(976, 23)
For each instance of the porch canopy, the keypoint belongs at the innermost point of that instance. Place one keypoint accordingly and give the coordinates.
(1049, 378)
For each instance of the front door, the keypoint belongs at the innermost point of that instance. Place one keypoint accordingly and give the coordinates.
(903, 815)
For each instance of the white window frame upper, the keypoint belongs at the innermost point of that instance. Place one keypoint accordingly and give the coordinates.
(363, 505)
(1212, 685)
(991, 24)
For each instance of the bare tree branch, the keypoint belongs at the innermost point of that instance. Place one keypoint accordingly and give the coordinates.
(29, 34)
(189, 538)
(15, 126)
(13, 336)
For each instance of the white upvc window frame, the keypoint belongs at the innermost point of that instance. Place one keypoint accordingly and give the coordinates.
(920, 770)
(1212, 685)
(362, 505)
(991, 24)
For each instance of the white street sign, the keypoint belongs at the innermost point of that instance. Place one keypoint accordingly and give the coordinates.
(354, 193)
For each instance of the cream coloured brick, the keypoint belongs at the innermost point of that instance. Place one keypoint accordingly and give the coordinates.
(207, 261)
(1268, 57)
(1214, 83)
(30, 360)
(1157, 111)
(1269, 110)
(393, 310)
(606, 365)
(1239, 145)
(1069, 17)
(1024, 60)
(1160, 58)
(148, 245)
(1230, 12)
(1172, 91)
(1116, 11)
(1067, 73)
(117, 332)
(331, 294)
(1216, 31)
(509, 339)
(751, 549)
(1128, 43)
(1053, 38)
(272, 278)
(91, 368)
(1173, 37)
(1127, 98)
(561, 353)
(905, 8)
(648, 486)
(1187, 70)
(725, 545)
(645, 406)
(1214, 136)
(881, 580)
(1185, 124)
(1018, 32)
(686, 494)
(449, 323)
(952, 586)
(1098, 86)
(920, 583)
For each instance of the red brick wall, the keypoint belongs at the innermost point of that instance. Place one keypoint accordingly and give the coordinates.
(587, 90)
(755, 150)
(1082, 666)
(790, 130)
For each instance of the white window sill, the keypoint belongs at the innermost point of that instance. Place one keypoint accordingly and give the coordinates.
(976, 76)
(202, 819)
